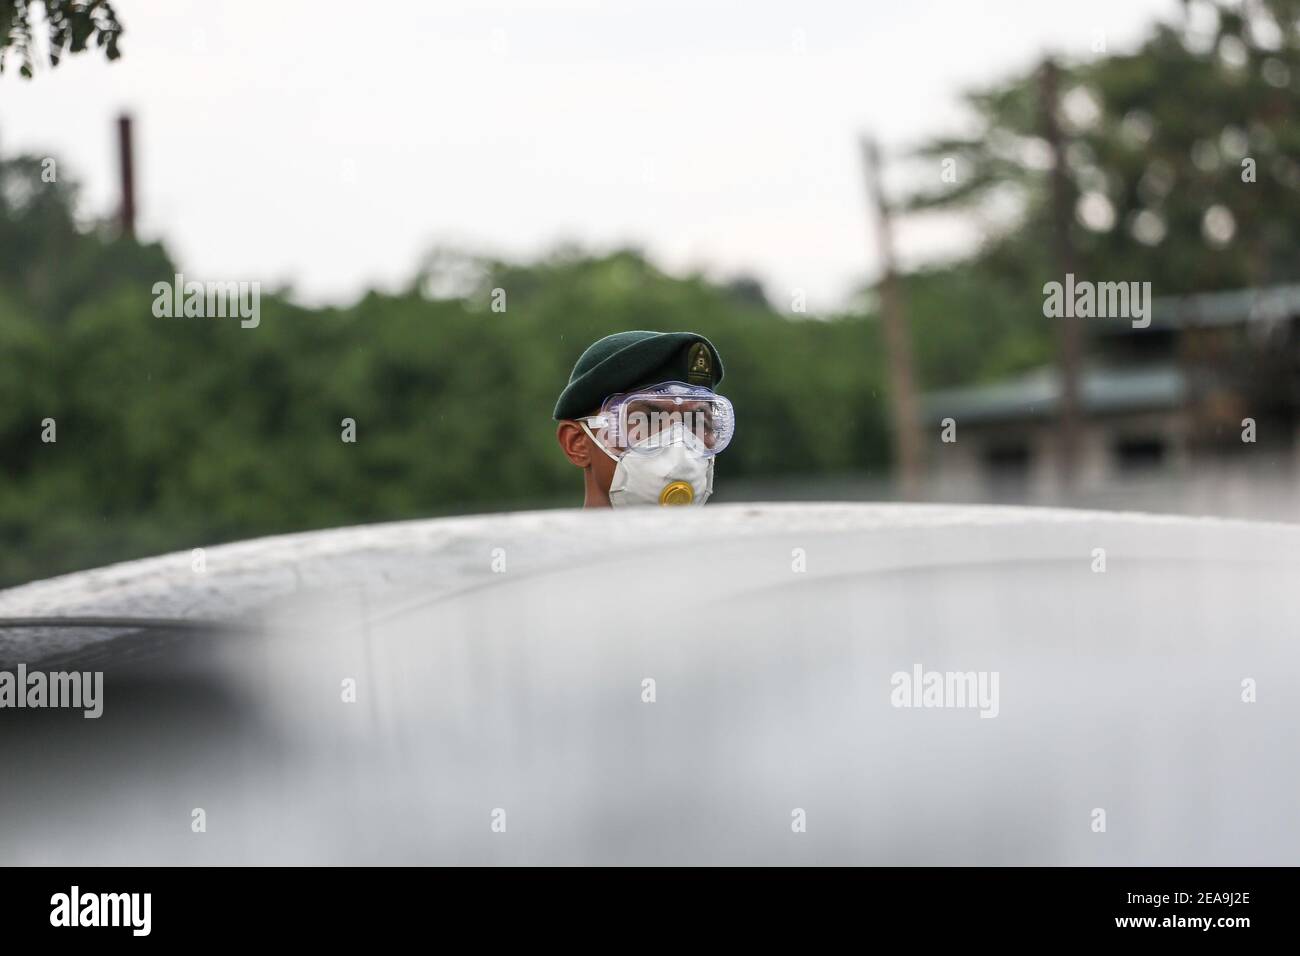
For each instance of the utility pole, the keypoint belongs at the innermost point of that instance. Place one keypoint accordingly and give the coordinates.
(898, 340)
(1069, 332)
(126, 170)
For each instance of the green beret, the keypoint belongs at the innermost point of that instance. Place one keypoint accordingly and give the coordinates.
(626, 361)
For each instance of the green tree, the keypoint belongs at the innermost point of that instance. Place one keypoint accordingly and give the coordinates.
(72, 26)
(1180, 157)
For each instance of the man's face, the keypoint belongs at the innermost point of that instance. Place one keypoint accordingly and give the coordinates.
(669, 432)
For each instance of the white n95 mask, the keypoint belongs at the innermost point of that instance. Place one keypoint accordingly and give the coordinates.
(668, 468)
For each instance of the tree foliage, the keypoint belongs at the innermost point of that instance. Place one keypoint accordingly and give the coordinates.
(1181, 157)
(71, 26)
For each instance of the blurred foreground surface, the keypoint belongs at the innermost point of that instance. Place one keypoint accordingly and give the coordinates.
(499, 664)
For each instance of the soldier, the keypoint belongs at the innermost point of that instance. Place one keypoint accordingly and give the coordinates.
(641, 419)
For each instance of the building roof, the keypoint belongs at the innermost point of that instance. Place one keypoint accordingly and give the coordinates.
(1266, 304)
(1037, 394)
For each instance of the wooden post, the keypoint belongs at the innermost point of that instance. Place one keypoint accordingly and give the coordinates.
(1069, 354)
(126, 169)
(898, 340)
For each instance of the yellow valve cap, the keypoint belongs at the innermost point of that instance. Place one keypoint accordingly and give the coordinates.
(677, 493)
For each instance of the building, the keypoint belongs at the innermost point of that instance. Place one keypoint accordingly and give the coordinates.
(1203, 403)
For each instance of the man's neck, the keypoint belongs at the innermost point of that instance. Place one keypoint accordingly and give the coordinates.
(593, 495)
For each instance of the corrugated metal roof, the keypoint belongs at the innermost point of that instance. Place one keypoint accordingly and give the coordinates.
(1267, 304)
(1037, 394)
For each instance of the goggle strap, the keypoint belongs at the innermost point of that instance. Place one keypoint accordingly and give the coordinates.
(582, 423)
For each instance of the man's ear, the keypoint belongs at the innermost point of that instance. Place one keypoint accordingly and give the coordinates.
(574, 442)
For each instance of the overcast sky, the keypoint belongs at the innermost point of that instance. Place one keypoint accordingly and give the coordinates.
(329, 144)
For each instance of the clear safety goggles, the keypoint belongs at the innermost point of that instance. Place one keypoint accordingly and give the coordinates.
(646, 421)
